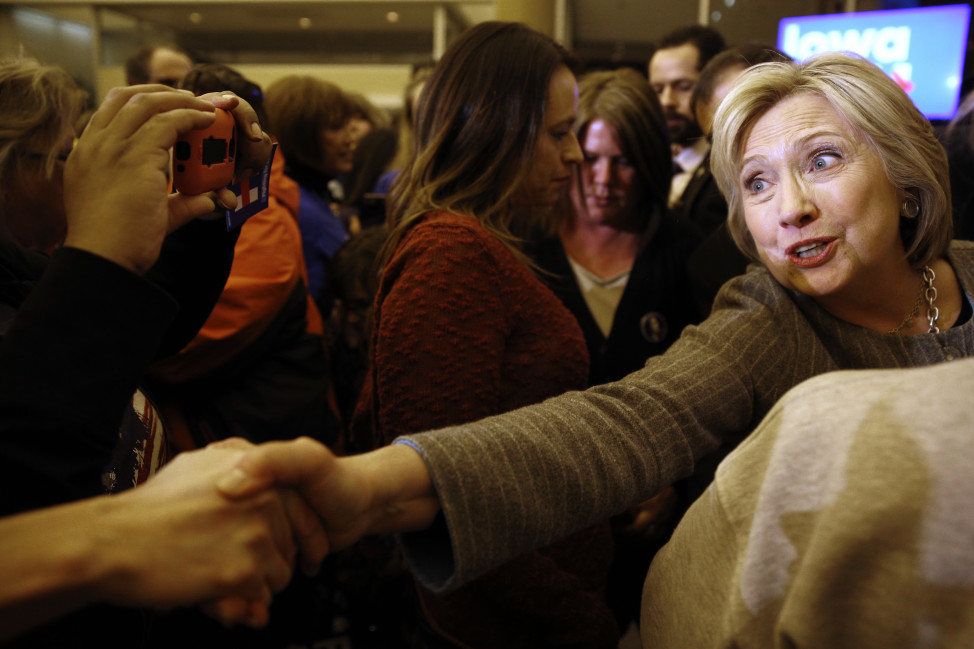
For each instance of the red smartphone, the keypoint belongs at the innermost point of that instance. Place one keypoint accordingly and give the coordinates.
(203, 158)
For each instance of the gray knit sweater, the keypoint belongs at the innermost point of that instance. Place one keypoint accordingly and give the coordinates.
(517, 481)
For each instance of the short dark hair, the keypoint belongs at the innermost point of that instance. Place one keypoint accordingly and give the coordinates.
(372, 157)
(707, 40)
(137, 65)
(742, 56)
(214, 77)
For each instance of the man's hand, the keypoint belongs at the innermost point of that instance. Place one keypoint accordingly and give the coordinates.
(386, 490)
(116, 188)
(177, 540)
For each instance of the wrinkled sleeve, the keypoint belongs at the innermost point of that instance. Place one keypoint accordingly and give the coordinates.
(568, 462)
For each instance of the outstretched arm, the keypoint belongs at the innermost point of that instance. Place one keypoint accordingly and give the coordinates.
(386, 490)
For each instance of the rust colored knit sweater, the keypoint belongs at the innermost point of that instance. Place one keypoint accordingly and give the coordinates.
(463, 330)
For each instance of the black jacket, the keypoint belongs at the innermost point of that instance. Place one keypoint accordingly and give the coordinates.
(655, 306)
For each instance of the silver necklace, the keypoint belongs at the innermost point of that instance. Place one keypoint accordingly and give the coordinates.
(928, 293)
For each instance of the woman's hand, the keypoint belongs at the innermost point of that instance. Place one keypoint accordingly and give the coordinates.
(387, 490)
(177, 540)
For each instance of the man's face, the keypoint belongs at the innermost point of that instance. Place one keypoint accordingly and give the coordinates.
(168, 67)
(705, 110)
(673, 72)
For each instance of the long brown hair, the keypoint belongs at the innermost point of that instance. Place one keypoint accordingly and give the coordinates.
(477, 123)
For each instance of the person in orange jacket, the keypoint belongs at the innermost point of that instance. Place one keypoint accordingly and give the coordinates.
(258, 368)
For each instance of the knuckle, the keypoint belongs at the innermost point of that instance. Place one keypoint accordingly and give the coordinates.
(239, 574)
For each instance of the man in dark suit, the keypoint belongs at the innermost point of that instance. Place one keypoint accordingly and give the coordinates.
(695, 203)
(716, 258)
(673, 73)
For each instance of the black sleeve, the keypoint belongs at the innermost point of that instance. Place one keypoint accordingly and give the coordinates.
(69, 364)
(193, 268)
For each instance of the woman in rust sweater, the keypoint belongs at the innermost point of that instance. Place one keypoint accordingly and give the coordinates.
(464, 329)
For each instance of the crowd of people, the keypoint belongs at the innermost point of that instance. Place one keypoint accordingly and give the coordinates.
(573, 353)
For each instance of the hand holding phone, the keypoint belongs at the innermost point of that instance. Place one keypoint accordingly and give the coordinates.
(203, 159)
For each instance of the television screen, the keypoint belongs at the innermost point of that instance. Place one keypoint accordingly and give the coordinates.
(921, 49)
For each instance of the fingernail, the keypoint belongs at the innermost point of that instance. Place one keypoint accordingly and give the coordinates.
(233, 483)
(256, 132)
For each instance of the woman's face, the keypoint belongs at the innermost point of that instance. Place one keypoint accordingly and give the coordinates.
(822, 212)
(358, 127)
(601, 188)
(33, 209)
(557, 147)
(338, 146)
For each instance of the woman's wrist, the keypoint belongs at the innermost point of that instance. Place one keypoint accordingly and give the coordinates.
(403, 495)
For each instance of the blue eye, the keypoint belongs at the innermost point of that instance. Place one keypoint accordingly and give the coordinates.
(757, 185)
(823, 161)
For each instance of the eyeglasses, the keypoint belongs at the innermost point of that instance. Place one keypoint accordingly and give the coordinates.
(61, 157)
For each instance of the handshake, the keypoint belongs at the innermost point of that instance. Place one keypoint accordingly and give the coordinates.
(222, 528)
(235, 519)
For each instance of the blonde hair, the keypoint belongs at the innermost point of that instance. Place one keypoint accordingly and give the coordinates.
(875, 107)
(37, 103)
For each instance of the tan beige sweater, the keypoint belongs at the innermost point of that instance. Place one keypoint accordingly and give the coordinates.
(843, 521)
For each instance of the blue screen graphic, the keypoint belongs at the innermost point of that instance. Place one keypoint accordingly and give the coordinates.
(921, 49)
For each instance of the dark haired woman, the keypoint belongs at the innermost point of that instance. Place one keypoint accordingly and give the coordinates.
(619, 266)
(464, 329)
(310, 117)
